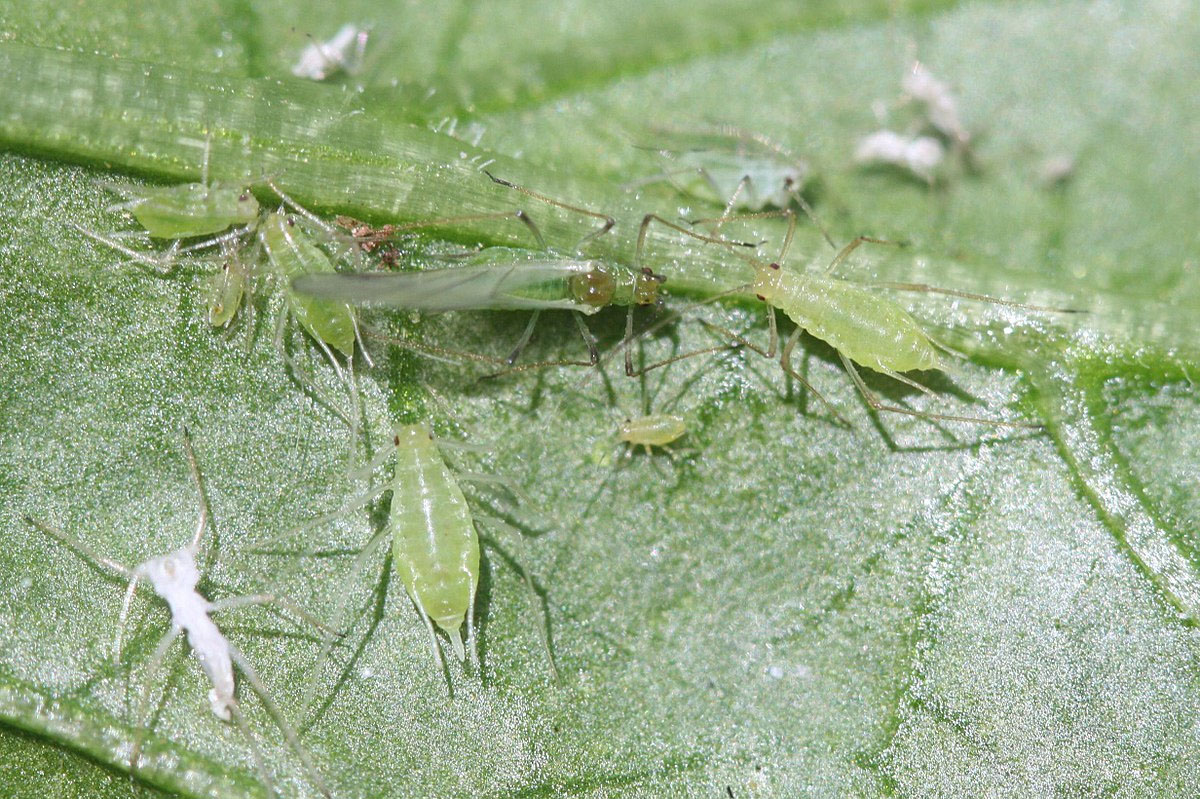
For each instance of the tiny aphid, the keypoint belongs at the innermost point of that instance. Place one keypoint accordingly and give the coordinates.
(174, 578)
(651, 430)
(291, 253)
(920, 155)
(342, 52)
(435, 543)
(863, 327)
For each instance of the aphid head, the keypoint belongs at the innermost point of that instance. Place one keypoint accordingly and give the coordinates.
(646, 286)
(172, 573)
(594, 287)
(411, 435)
(247, 207)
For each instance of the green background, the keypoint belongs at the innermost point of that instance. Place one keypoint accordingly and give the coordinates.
(907, 608)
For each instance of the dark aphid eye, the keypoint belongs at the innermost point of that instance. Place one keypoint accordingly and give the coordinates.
(594, 288)
(243, 197)
(761, 297)
(774, 266)
(396, 440)
(291, 221)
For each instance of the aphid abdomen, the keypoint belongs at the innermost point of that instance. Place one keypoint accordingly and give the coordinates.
(435, 545)
(870, 330)
(193, 209)
(291, 253)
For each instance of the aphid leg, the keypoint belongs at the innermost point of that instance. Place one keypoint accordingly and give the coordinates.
(854, 245)
(608, 221)
(230, 603)
(518, 540)
(277, 716)
(785, 360)
(525, 337)
(787, 213)
(259, 763)
(164, 264)
(96, 559)
(879, 405)
(439, 657)
(361, 560)
(588, 339)
(152, 666)
(301, 376)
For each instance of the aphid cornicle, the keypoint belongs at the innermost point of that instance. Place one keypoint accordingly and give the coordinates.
(174, 578)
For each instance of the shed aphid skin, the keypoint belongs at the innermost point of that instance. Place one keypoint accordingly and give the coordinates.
(435, 543)
(716, 163)
(865, 328)
(919, 155)
(343, 51)
(939, 103)
(174, 577)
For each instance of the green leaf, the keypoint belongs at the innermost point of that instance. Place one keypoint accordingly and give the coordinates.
(911, 607)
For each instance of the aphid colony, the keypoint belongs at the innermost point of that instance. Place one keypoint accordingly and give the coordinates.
(309, 272)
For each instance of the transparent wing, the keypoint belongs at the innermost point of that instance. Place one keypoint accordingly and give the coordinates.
(527, 285)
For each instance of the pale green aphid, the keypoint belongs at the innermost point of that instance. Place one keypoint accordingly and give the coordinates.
(186, 210)
(190, 209)
(863, 327)
(290, 254)
(651, 430)
(434, 536)
(227, 287)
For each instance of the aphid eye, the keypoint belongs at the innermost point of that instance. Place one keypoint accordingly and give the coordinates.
(291, 222)
(774, 266)
(761, 297)
(243, 197)
(396, 440)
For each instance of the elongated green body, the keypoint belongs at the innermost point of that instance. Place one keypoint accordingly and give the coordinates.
(192, 209)
(496, 278)
(652, 430)
(434, 543)
(868, 329)
(290, 254)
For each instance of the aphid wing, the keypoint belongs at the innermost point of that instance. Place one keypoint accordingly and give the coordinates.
(522, 286)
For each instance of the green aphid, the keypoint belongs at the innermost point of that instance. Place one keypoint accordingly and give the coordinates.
(190, 209)
(291, 253)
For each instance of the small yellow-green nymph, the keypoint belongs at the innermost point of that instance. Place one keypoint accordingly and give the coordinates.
(652, 430)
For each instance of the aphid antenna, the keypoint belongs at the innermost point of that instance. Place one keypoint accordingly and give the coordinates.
(608, 221)
(164, 263)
